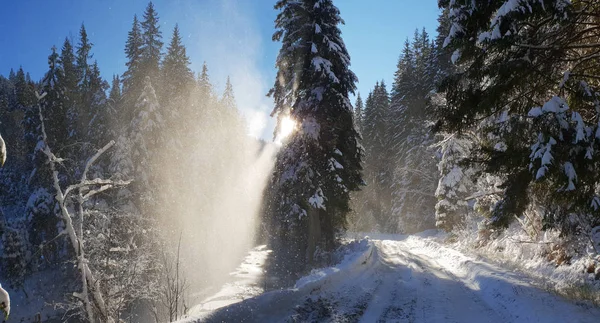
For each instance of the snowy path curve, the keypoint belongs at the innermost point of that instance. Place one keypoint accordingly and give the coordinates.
(409, 279)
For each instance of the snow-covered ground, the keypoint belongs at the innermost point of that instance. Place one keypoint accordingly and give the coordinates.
(246, 282)
(404, 279)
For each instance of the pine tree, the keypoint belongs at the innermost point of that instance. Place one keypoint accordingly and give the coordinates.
(14, 261)
(146, 136)
(319, 165)
(531, 97)
(133, 51)
(84, 49)
(414, 160)
(23, 89)
(100, 114)
(69, 81)
(204, 84)
(177, 76)
(378, 164)
(228, 98)
(358, 114)
(115, 92)
(12, 76)
(54, 110)
(151, 43)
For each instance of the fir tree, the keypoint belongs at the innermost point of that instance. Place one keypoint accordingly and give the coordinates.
(319, 164)
(414, 161)
(151, 42)
(378, 165)
(531, 97)
(146, 135)
(24, 90)
(68, 80)
(204, 84)
(84, 49)
(358, 114)
(14, 261)
(177, 76)
(228, 98)
(133, 50)
(12, 76)
(115, 92)
(100, 114)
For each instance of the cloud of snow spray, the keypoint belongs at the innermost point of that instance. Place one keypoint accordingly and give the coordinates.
(216, 215)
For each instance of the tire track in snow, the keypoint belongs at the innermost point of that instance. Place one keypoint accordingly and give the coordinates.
(410, 279)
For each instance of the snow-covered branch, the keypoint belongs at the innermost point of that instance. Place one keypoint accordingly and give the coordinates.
(91, 295)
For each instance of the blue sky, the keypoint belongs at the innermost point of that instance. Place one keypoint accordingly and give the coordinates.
(232, 36)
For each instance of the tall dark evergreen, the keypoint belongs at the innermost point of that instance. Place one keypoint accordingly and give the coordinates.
(414, 176)
(204, 82)
(115, 91)
(319, 165)
(358, 113)
(82, 113)
(69, 81)
(132, 78)
(378, 163)
(151, 46)
(84, 48)
(99, 113)
(24, 90)
(530, 95)
(177, 76)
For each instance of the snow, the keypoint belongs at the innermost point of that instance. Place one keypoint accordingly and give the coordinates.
(455, 56)
(317, 200)
(317, 29)
(407, 278)
(246, 283)
(556, 105)
(311, 128)
(321, 64)
(335, 164)
(566, 77)
(579, 127)
(571, 175)
(4, 302)
(535, 112)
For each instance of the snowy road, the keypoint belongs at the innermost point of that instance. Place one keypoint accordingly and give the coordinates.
(408, 279)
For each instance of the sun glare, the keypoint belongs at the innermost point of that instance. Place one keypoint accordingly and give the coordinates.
(286, 128)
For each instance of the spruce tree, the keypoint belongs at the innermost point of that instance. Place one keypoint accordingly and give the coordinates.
(319, 165)
(177, 76)
(100, 114)
(378, 165)
(358, 114)
(53, 108)
(132, 78)
(145, 133)
(12, 76)
(24, 90)
(115, 92)
(530, 95)
(414, 161)
(204, 83)
(14, 256)
(151, 42)
(68, 80)
(84, 48)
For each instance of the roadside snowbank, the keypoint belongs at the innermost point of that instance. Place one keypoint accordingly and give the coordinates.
(515, 250)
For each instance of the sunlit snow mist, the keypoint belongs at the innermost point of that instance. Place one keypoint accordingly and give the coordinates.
(216, 211)
(214, 205)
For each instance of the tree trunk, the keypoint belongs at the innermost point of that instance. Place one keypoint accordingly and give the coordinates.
(314, 233)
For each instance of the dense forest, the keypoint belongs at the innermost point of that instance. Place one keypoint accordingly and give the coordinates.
(125, 205)
(121, 190)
